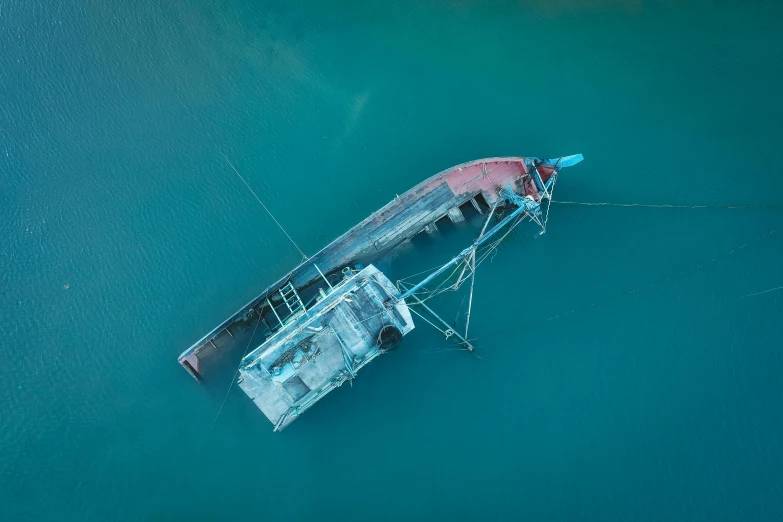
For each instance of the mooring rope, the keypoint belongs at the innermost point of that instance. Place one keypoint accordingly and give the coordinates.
(603, 204)
(764, 292)
(641, 288)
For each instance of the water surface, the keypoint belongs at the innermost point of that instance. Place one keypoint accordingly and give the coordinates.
(126, 236)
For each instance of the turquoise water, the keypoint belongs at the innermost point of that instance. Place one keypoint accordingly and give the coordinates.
(125, 237)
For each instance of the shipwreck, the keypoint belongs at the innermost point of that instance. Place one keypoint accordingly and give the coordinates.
(335, 312)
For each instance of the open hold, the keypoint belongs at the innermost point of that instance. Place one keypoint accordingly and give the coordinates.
(481, 203)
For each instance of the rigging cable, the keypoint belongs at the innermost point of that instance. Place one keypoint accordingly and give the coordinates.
(233, 379)
(193, 116)
(259, 200)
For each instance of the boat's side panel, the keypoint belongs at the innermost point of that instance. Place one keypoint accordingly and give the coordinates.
(410, 213)
(485, 177)
(402, 221)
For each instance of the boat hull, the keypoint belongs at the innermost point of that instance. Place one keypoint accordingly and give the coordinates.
(476, 183)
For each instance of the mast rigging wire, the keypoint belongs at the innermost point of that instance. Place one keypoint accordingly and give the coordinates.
(259, 200)
(233, 380)
(220, 151)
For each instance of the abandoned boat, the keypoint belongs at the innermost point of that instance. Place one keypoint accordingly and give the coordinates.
(335, 312)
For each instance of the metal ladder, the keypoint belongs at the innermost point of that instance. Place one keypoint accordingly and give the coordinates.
(291, 298)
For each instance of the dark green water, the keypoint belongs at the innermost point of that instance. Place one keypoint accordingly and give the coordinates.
(125, 237)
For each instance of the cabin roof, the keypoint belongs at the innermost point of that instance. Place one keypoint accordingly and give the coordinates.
(319, 350)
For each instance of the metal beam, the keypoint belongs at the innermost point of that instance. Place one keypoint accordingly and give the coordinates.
(472, 282)
(444, 323)
(525, 206)
(323, 276)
